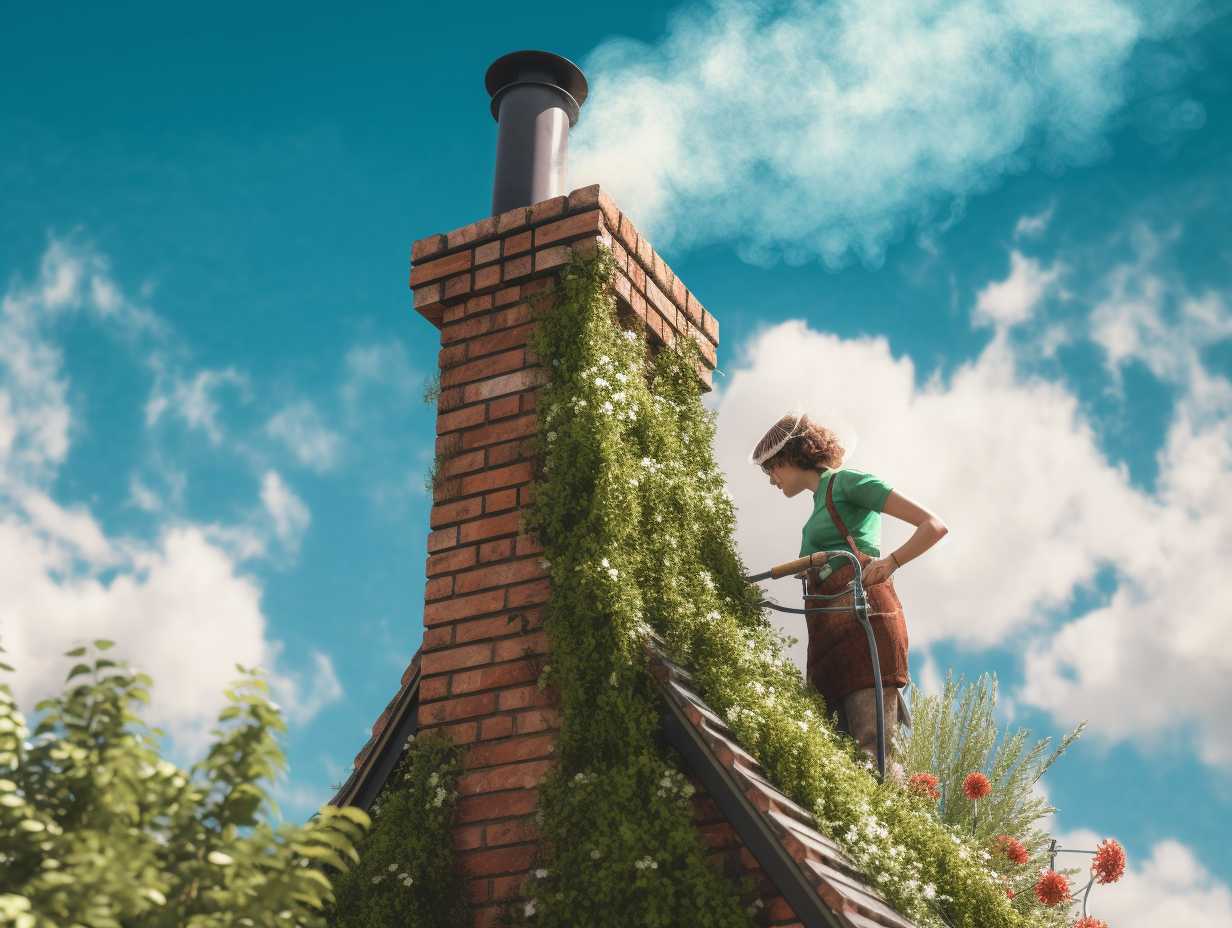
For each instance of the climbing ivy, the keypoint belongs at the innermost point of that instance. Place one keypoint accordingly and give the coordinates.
(638, 529)
(406, 874)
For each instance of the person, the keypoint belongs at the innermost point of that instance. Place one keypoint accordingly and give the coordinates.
(798, 454)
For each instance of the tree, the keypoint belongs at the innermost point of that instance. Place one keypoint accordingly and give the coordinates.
(98, 830)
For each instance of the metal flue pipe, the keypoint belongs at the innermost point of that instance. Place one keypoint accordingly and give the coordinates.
(536, 98)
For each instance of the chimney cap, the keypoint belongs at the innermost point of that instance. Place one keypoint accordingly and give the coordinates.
(536, 67)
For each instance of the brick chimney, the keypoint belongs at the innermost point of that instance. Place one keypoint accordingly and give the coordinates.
(483, 642)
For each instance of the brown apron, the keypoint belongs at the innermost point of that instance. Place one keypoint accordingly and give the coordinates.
(838, 658)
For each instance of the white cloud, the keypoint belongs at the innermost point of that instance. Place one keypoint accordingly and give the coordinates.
(824, 128)
(303, 696)
(1035, 225)
(1008, 302)
(194, 399)
(1171, 887)
(1035, 509)
(177, 604)
(287, 511)
(377, 366)
(300, 428)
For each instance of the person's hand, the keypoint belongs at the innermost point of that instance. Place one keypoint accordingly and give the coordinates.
(877, 571)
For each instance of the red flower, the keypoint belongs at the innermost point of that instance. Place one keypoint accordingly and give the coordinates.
(1090, 921)
(1009, 893)
(976, 785)
(1013, 848)
(1051, 888)
(924, 784)
(1109, 863)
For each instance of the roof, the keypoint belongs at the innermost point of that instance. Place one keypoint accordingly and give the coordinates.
(820, 883)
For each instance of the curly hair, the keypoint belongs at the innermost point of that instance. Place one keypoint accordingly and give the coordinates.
(811, 447)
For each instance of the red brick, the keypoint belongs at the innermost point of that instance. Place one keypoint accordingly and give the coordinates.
(438, 588)
(512, 219)
(720, 834)
(525, 545)
(500, 501)
(710, 326)
(516, 267)
(498, 726)
(511, 751)
(434, 688)
(489, 276)
(441, 267)
(491, 527)
(441, 637)
(467, 328)
(516, 244)
(508, 887)
(427, 295)
(458, 286)
(497, 860)
(475, 232)
(497, 550)
(490, 366)
(463, 607)
(583, 198)
(487, 917)
(511, 776)
(500, 385)
(450, 561)
(497, 626)
(495, 479)
(492, 805)
(507, 295)
(536, 720)
(503, 406)
(442, 538)
(468, 837)
(522, 697)
(514, 831)
(522, 646)
(479, 890)
(499, 341)
(511, 316)
(529, 594)
(622, 286)
(485, 254)
(493, 676)
(462, 733)
(478, 304)
(445, 513)
(427, 247)
(510, 451)
(451, 355)
(588, 223)
(463, 463)
(497, 575)
(470, 655)
(546, 209)
(628, 233)
(549, 258)
(458, 707)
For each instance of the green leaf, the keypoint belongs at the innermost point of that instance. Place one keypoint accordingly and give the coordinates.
(103, 644)
(76, 652)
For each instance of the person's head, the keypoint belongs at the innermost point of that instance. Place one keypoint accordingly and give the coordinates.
(794, 450)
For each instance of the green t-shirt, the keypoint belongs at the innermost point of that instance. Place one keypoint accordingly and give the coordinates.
(859, 499)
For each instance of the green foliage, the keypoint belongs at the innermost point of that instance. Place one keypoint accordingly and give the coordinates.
(97, 829)
(638, 535)
(406, 874)
(955, 732)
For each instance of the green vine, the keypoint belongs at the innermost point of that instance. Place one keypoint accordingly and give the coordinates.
(638, 529)
(406, 874)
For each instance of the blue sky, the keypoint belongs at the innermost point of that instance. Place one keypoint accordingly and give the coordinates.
(985, 242)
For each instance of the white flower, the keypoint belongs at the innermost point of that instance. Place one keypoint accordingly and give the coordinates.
(220, 859)
(552, 436)
(594, 855)
(392, 867)
(613, 573)
(541, 874)
(600, 382)
(612, 679)
(607, 406)
(619, 396)
(929, 891)
(530, 908)
(604, 563)
(630, 335)
(604, 359)
(622, 376)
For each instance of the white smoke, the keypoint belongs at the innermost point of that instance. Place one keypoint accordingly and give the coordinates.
(796, 130)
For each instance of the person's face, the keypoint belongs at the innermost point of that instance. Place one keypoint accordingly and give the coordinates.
(786, 477)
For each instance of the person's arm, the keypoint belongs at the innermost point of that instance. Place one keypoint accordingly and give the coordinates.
(928, 531)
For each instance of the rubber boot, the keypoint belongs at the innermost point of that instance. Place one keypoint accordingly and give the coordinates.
(860, 716)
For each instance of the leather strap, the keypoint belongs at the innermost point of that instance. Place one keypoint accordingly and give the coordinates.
(838, 520)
